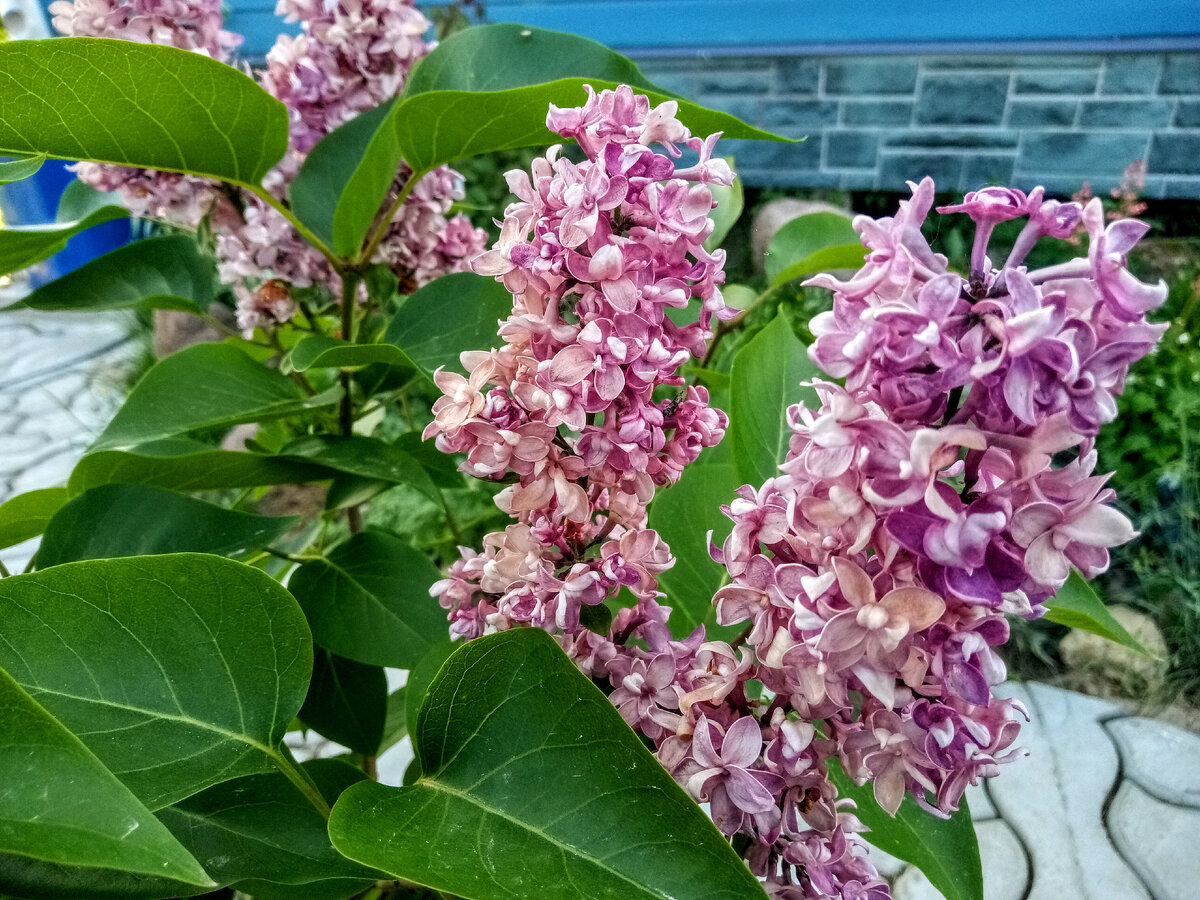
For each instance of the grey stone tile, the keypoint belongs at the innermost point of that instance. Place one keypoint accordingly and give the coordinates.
(1175, 154)
(960, 60)
(1181, 187)
(721, 79)
(1088, 154)
(1077, 81)
(863, 75)
(952, 139)
(896, 168)
(1160, 758)
(810, 114)
(1053, 799)
(1180, 74)
(805, 155)
(747, 108)
(1042, 113)
(1135, 73)
(988, 168)
(1142, 113)
(851, 149)
(876, 112)
(1005, 868)
(798, 76)
(1187, 114)
(961, 100)
(1159, 840)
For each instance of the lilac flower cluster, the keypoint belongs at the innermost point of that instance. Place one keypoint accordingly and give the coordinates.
(350, 56)
(569, 410)
(918, 504)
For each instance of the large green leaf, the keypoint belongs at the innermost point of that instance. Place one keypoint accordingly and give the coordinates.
(20, 169)
(27, 515)
(805, 235)
(368, 600)
(533, 785)
(319, 351)
(841, 256)
(259, 827)
(116, 520)
(946, 850)
(62, 806)
(365, 457)
(204, 386)
(347, 702)
(683, 515)
(421, 676)
(345, 177)
(166, 272)
(186, 465)
(454, 313)
(1078, 606)
(177, 671)
(22, 247)
(731, 200)
(767, 372)
(137, 105)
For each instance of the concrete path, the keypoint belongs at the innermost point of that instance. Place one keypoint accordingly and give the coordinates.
(1105, 807)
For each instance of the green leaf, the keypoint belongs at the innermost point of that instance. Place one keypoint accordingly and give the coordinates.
(804, 236)
(194, 667)
(395, 724)
(842, 256)
(158, 273)
(204, 386)
(137, 105)
(27, 515)
(80, 200)
(421, 676)
(368, 600)
(116, 520)
(62, 806)
(182, 464)
(318, 351)
(730, 203)
(345, 177)
(366, 457)
(347, 702)
(22, 247)
(20, 169)
(260, 827)
(683, 514)
(1078, 606)
(946, 850)
(451, 314)
(534, 785)
(767, 372)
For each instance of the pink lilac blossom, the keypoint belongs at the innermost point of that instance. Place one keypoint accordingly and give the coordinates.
(349, 57)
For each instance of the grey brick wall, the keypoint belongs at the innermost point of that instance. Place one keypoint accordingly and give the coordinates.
(873, 122)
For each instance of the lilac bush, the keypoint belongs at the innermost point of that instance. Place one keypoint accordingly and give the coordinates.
(947, 483)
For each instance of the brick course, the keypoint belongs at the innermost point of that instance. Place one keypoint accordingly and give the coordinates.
(873, 122)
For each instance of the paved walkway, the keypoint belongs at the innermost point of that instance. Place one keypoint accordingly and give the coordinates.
(1105, 807)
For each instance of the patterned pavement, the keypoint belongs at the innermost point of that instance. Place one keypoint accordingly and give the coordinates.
(1105, 807)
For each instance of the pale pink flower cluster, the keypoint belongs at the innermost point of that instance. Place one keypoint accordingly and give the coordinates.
(572, 410)
(350, 56)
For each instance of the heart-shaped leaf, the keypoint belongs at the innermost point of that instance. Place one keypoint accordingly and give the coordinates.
(805, 235)
(28, 514)
(195, 665)
(451, 314)
(842, 256)
(533, 785)
(731, 200)
(186, 465)
(204, 386)
(368, 600)
(116, 520)
(166, 272)
(347, 702)
(765, 380)
(20, 169)
(946, 850)
(260, 828)
(62, 806)
(365, 457)
(137, 105)
(421, 676)
(1077, 605)
(22, 247)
